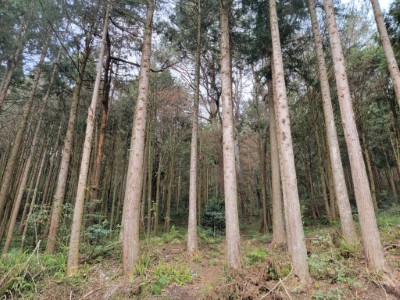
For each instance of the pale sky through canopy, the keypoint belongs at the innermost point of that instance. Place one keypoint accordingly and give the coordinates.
(385, 4)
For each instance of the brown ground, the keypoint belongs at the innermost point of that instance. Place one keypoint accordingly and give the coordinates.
(211, 280)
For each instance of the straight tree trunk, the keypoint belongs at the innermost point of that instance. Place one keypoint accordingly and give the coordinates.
(369, 230)
(295, 231)
(59, 193)
(192, 246)
(229, 165)
(158, 183)
(387, 48)
(342, 197)
(169, 190)
(278, 221)
(103, 124)
(73, 253)
(134, 180)
(13, 159)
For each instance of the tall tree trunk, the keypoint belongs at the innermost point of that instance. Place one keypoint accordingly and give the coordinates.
(297, 243)
(134, 180)
(230, 181)
(59, 193)
(387, 47)
(263, 172)
(13, 159)
(103, 124)
(157, 205)
(368, 163)
(342, 197)
(192, 246)
(73, 253)
(169, 189)
(369, 229)
(278, 221)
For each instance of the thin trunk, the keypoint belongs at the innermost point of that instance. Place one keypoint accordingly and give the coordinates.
(342, 197)
(369, 169)
(387, 47)
(25, 222)
(192, 246)
(297, 243)
(134, 180)
(169, 191)
(149, 178)
(157, 205)
(59, 194)
(73, 253)
(234, 255)
(369, 229)
(322, 178)
(13, 159)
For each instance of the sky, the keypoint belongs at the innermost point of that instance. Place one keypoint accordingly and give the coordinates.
(385, 4)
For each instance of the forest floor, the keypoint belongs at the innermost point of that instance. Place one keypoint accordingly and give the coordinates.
(167, 272)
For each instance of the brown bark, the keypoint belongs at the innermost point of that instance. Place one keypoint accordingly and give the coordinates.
(134, 180)
(387, 47)
(59, 193)
(296, 239)
(278, 221)
(369, 229)
(342, 197)
(73, 253)
(229, 165)
(103, 124)
(13, 159)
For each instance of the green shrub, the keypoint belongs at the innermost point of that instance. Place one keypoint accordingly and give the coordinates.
(214, 215)
(165, 274)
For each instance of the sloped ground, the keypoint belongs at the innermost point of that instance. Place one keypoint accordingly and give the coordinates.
(167, 272)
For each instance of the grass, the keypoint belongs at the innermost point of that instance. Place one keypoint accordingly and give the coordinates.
(338, 269)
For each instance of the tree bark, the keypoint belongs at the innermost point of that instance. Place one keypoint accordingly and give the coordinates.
(134, 180)
(192, 246)
(387, 48)
(73, 253)
(295, 231)
(369, 229)
(278, 221)
(229, 165)
(13, 159)
(59, 193)
(342, 197)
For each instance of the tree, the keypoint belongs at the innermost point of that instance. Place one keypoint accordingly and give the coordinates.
(387, 47)
(346, 219)
(295, 233)
(134, 180)
(230, 185)
(192, 224)
(59, 194)
(369, 230)
(73, 253)
(16, 148)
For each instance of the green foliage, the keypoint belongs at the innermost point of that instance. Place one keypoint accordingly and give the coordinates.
(143, 265)
(214, 215)
(98, 232)
(165, 274)
(23, 273)
(255, 256)
(332, 294)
